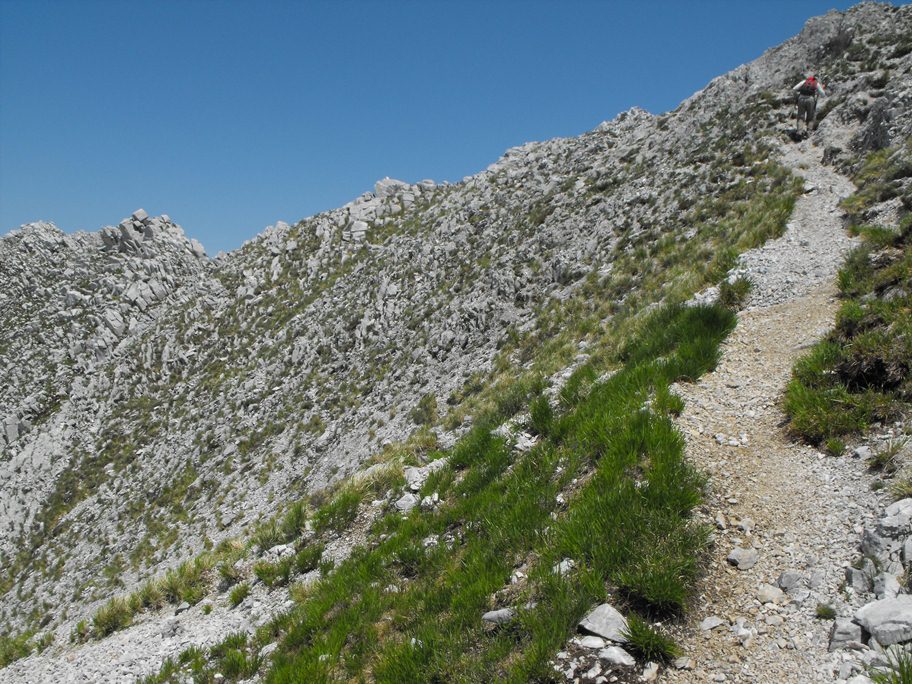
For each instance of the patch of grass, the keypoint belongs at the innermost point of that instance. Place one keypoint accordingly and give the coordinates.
(666, 401)
(274, 574)
(232, 659)
(229, 574)
(14, 647)
(877, 180)
(294, 521)
(188, 582)
(512, 396)
(648, 643)
(733, 294)
(340, 511)
(825, 611)
(820, 406)
(901, 487)
(389, 478)
(269, 534)
(425, 411)
(885, 458)
(308, 558)
(80, 632)
(114, 615)
(238, 594)
(429, 629)
(577, 386)
(898, 670)
(834, 446)
(541, 416)
(150, 595)
(43, 642)
(168, 671)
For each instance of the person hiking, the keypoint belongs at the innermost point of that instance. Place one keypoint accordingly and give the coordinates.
(808, 90)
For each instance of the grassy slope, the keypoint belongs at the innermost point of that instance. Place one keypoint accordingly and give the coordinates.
(606, 486)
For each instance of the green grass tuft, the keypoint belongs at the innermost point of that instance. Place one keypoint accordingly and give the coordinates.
(898, 670)
(732, 295)
(834, 446)
(340, 511)
(274, 574)
(14, 647)
(238, 594)
(647, 643)
(308, 558)
(114, 615)
(825, 611)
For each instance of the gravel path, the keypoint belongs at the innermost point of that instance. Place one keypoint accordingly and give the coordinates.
(814, 245)
(800, 510)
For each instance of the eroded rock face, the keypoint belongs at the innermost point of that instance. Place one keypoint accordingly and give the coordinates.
(141, 379)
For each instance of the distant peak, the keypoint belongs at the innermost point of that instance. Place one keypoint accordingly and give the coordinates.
(634, 115)
(140, 228)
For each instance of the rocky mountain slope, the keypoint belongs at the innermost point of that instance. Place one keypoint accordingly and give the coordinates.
(157, 403)
(69, 301)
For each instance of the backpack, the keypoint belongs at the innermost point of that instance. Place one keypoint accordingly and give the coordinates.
(809, 87)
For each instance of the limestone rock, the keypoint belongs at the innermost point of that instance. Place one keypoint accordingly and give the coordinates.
(499, 617)
(843, 632)
(886, 585)
(767, 593)
(743, 559)
(407, 502)
(888, 620)
(605, 621)
(789, 580)
(615, 655)
(710, 623)
(860, 579)
(590, 642)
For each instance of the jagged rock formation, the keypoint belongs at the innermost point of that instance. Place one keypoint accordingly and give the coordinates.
(155, 401)
(68, 303)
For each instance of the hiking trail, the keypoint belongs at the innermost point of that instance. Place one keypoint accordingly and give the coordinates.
(800, 510)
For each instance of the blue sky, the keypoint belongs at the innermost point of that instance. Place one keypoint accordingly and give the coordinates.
(230, 115)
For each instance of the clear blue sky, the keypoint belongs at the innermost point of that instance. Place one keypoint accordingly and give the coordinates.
(230, 115)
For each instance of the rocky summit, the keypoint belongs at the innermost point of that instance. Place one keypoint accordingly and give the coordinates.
(195, 448)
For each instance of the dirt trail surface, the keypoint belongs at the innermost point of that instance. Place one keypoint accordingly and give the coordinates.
(795, 509)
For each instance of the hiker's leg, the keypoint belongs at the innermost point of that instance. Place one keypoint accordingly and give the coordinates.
(804, 110)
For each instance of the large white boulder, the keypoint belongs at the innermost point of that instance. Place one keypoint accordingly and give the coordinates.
(888, 620)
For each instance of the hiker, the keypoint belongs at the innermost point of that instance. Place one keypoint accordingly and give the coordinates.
(808, 89)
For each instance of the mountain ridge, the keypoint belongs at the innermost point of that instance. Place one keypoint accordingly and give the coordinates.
(185, 396)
